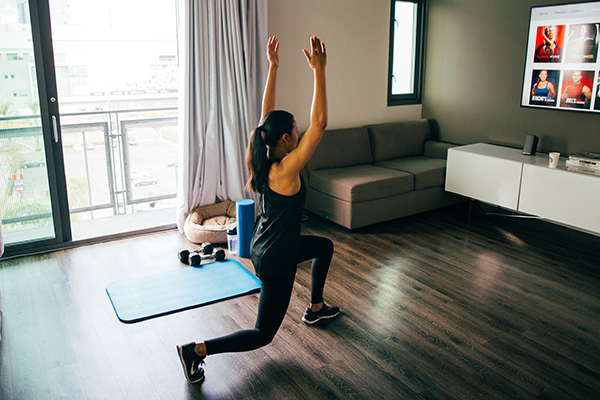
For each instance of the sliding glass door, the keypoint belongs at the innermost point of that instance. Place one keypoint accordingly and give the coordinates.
(30, 163)
(88, 119)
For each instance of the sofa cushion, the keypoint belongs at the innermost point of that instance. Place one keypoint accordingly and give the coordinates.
(341, 148)
(433, 148)
(428, 171)
(361, 182)
(398, 139)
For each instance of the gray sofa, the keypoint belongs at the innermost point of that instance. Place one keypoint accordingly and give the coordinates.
(375, 173)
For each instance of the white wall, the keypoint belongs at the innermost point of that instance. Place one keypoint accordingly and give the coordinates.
(356, 34)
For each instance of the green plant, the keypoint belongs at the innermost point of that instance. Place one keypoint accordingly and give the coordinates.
(34, 106)
(5, 108)
(21, 210)
(76, 189)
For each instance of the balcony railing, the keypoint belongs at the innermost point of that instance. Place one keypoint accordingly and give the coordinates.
(116, 162)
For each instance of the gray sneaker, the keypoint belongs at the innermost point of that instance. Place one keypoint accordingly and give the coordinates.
(311, 317)
(191, 362)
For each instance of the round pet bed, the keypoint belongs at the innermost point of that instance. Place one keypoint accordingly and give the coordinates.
(209, 223)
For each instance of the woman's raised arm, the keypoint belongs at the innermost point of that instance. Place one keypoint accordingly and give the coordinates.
(317, 60)
(269, 95)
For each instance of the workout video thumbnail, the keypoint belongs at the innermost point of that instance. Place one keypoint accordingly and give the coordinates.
(549, 43)
(543, 87)
(576, 89)
(582, 43)
(597, 100)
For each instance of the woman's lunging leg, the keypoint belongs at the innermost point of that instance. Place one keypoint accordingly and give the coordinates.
(274, 300)
(320, 250)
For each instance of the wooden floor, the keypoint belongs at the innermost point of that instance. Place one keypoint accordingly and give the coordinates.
(433, 307)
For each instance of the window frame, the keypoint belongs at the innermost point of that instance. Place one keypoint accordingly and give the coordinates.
(416, 96)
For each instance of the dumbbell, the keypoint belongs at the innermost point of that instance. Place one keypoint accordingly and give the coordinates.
(218, 254)
(195, 258)
(205, 248)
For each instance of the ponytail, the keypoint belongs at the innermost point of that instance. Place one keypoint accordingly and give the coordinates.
(257, 161)
(262, 139)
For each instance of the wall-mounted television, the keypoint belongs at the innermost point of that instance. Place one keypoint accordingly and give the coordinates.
(562, 68)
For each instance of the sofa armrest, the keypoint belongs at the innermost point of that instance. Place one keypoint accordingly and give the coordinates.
(436, 149)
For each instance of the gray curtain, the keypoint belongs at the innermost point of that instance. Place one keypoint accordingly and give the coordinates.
(223, 68)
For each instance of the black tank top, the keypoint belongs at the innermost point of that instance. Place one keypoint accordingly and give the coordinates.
(275, 244)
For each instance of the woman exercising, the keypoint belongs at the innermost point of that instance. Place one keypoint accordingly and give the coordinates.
(275, 158)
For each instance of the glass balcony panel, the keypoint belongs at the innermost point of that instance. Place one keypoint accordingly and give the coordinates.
(25, 204)
(151, 155)
(87, 153)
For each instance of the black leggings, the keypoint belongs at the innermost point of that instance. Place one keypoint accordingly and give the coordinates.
(275, 298)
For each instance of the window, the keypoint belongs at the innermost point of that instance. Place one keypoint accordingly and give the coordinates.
(16, 93)
(14, 57)
(407, 20)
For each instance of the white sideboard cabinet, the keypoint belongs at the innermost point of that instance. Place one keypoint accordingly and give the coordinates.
(504, 177)
(484, 172)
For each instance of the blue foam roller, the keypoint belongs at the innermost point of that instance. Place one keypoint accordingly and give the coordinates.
(245, 225)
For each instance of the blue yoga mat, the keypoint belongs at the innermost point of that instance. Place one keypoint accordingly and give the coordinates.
(181, 289)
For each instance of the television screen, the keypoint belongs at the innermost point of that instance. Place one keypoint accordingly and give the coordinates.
(562, 70)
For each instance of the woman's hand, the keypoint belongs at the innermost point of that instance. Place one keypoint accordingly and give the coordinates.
(273, 51)
(317, 59)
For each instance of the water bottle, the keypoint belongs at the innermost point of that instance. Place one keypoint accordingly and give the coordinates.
(232, 240)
